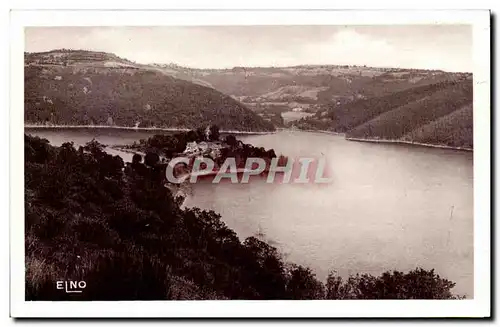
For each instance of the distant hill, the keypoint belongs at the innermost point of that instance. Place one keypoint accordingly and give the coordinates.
(364, 102)
(412, 105)
(308, 87)
(400, 120)
(454, 129)
(437, 114)
(96, 88)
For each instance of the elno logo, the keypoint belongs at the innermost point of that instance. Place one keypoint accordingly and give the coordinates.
(71, 286)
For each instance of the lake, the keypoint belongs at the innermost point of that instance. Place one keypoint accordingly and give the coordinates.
(388, 206)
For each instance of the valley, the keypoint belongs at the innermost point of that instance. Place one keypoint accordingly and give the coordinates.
(66, 87)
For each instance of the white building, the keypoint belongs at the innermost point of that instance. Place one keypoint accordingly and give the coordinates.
(210, 149)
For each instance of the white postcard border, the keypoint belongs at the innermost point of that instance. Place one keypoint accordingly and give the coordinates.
(477, 307)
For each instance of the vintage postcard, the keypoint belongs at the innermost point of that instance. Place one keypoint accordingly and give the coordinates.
(176, 161)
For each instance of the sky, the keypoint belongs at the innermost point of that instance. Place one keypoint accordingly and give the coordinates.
(445, 47)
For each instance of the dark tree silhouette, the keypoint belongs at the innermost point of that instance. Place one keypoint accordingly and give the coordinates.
(231, 140)
(214, 133)
(124, 233)
(151, 159)
(136, 158)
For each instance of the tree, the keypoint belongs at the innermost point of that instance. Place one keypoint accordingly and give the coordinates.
(416, 284)
(303, 284)
(151, 159)
(231, 140)
(200, 132)
(94, 147)
(136, 159)
(214, 133)
(36, 149)
(191, 136)
(270, 153)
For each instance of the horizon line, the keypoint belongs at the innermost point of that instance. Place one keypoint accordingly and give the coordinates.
(250, 67)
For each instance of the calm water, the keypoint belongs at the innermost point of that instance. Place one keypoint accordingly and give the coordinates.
(389, 206)
(106, 136)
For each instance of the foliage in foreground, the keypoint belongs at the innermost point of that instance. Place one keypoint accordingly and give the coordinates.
(89, 217)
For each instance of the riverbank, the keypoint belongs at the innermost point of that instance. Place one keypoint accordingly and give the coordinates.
(439, 146)
(410, 143)
(310, 131)
(163, 129)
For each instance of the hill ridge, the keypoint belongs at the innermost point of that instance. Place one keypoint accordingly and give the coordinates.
(88, 88)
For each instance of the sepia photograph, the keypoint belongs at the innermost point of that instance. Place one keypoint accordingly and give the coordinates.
(260, 162)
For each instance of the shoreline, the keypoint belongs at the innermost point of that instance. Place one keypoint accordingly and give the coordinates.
(410, 143)
(165, 129)
(176, 129)
(310, 131)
